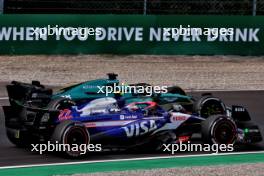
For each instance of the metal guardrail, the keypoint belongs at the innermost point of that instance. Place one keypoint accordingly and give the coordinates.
(190, 7)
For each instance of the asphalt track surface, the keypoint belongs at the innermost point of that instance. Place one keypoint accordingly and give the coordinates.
(11, 155)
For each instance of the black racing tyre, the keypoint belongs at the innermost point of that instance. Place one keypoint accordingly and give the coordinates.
(176, 90)
(22, 141)
(72, 134)
(219, 129)
(209, 105)
(17, 142)
(60, 103)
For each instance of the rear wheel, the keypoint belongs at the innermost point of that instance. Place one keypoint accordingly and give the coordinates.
(219, 129)
(61, 103)
(20, 140)
(73, 135)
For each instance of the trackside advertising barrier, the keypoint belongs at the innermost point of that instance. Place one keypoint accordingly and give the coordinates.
(132, 34)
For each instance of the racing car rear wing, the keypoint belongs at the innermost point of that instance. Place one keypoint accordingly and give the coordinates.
(32, 93)
(17, 115)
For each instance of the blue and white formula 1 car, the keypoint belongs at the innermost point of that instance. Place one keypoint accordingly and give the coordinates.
(112, 124)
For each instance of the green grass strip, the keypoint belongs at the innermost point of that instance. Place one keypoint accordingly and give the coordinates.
(133, 165)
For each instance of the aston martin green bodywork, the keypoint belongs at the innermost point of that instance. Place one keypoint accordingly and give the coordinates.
(90, 90)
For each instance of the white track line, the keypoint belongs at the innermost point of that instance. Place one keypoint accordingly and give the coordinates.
(130, 159)
(3, 98)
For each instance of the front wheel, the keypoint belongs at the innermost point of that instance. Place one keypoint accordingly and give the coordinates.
(219, 129)
(209, 105)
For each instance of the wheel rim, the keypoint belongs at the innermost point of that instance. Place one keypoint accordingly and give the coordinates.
(76, 136)
(224, 132)
(212, 107)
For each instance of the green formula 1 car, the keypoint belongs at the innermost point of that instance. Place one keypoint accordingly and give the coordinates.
(36, 95)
